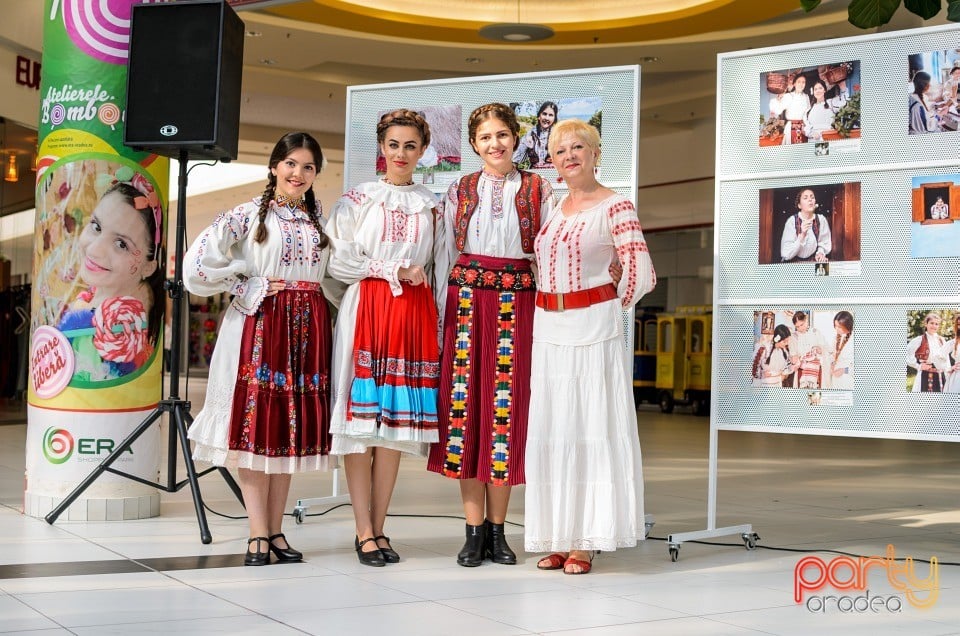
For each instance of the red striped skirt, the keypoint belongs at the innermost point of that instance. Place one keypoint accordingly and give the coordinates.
(485, 371)
(395, 358)
(281, 404)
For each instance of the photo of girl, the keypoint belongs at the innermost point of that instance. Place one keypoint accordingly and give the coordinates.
(103, 281)
(932, 101)
(935, 216)
(532, 150)
(929, 361)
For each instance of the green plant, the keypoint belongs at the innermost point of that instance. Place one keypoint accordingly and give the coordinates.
(848, 117)
(867, 14)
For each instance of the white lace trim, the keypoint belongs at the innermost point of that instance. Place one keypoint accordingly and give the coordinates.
(565, 545)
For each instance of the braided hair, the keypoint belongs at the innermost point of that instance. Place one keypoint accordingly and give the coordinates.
(403, 117)
(287, 144)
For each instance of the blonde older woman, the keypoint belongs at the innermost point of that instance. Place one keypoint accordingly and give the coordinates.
(584, 476)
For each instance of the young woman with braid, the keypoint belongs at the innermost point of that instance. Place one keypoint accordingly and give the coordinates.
(267, 408)
(486, 291)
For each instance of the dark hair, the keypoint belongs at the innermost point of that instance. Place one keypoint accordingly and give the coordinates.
(544, 106)
(797, 317)
(825, 90)
(921, 80)
(845, 318)
(404, 117)
(148, 214)
(780, 333)
(287, 144)
(493, 111)
(796, 201)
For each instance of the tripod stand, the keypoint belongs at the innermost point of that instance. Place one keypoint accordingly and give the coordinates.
(178, 409)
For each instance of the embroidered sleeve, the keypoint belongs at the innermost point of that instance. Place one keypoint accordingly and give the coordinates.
(350, 260)
(444, 247)
(216, 261)
(639, 277)
(248, 293)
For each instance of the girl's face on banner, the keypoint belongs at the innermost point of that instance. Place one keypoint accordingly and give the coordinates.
(115, 247)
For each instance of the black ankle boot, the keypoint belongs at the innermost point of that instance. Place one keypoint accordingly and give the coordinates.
(496, 548)
(471, 554)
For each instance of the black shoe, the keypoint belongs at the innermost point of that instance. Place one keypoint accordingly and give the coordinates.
(495, 546)
(372, 558)
(471, 554)
(389, 554)
(258, 557)
(287, 554)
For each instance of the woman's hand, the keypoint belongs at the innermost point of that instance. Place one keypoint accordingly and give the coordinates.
(413, 275)
(275, 285)
(616, 272)
(820, 257)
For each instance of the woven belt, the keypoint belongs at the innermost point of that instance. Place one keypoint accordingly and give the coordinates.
(577, 299)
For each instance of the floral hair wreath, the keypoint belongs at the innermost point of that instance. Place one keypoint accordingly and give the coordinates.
(148, 197)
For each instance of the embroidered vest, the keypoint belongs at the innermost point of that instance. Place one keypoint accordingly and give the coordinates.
(816, 225)
(527, 202)
(923, 351)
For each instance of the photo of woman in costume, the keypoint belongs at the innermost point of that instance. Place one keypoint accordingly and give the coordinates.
(952, 350)
(841, 351)
(533, 149)
(927, 357)
(773, 361)
(792, 106)
(806, 234)
(820, 116)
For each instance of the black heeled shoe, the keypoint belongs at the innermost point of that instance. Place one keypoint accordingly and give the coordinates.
(287, 554)
(471, 554)
(495, 546)
(372, 558)
(389, 554)
(258, 557)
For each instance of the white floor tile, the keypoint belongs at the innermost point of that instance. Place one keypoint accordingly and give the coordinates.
(17, 616)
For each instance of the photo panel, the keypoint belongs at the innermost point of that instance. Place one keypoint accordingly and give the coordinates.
(935, 216)
(803, 349)
(933, 104)
(536, 120)
(933, 351)
(443, 152)
(813, 104)
(815, 224)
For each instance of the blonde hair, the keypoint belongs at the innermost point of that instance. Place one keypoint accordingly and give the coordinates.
(582, 130)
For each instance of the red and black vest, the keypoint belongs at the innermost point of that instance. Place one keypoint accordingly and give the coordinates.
(527, 202)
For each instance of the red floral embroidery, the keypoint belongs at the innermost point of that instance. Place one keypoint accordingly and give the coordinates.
(489, 278)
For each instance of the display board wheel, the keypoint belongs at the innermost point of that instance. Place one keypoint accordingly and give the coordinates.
(298, 514)
(674, 550)
(750, 540)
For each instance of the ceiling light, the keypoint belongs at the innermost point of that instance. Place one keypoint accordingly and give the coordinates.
(267, 61)
(253, 34)
(649, 58)
(473, 60)
(516, 32)
(11, 173)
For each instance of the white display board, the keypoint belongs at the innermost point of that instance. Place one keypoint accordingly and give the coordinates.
(893, 256)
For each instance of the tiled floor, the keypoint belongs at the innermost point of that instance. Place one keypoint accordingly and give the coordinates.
(799, 492)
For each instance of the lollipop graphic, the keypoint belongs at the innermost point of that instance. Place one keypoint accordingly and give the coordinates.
(109, 114)
(101, 28)
(57, 114)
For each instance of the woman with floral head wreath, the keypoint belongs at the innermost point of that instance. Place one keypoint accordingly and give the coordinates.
(267, 408)
(114, 324)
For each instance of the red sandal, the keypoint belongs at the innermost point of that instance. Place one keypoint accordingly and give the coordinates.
(553, 561)
(583, 565)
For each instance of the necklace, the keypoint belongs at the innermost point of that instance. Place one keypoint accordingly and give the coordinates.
(389, 182)
(284, 201)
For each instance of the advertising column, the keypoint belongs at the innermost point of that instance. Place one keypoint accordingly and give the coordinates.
(98, 271)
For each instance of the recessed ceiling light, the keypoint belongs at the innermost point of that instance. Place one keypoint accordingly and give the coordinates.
(473, 60)
(649, 58)
(516, 32)
(267, 61)
(253, 34)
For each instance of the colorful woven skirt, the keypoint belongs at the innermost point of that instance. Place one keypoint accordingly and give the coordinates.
(395, 361)
(281, 404)
(485, 371)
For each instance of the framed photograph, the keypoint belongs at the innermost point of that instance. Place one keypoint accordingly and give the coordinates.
(935, 216)
(810, 104)
(536, 120)
(933, 351)
(443, 153)
(933, 105)
(810, 224)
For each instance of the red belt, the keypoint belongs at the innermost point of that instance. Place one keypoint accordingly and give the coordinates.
(577, 299)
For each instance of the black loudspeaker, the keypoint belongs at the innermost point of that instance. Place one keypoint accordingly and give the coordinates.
(183, 81)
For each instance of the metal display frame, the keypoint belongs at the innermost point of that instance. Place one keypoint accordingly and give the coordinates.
(888, 284)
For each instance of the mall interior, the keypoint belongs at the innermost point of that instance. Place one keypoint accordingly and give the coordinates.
(828, 497)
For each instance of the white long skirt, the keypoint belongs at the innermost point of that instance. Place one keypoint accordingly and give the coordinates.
(584, 472)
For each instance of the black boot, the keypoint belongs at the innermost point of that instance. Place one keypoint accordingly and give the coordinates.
(471, 555)
(496, 548)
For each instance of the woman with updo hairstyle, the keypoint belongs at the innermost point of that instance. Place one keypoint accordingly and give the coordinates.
(486, 292)
(385, 354)
(267, 408)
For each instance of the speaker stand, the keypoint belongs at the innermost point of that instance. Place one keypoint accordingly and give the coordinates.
(178, 409)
